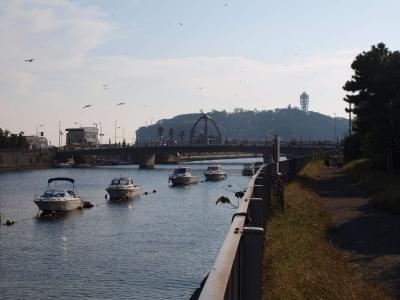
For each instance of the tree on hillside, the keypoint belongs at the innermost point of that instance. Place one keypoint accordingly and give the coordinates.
(181, 135)
(171, 134)
(374, 94)
(160, 131)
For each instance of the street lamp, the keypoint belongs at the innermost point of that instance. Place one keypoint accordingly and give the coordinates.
(37, 129)
(123, 132)
(101, 132)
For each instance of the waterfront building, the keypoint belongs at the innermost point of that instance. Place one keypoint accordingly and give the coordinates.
(82, 137)
(36, 143)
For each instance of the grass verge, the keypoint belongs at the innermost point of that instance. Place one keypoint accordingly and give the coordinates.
(299, 262)
(384, 188)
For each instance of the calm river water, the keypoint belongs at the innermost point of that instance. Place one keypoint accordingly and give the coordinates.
(159, 246)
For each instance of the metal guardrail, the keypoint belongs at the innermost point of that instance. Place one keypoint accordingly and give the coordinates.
(237, 271)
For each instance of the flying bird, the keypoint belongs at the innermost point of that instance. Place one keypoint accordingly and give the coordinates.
(180, 24)
(120, 104)
(29, 60)
(87, 106)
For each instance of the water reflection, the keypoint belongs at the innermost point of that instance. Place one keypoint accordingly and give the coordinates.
(60, 216)
(157, 246)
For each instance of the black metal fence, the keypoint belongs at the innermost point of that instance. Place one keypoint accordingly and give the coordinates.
(237, 271)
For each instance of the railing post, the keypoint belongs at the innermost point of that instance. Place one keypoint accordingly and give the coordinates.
(256, 212)
(251, 268)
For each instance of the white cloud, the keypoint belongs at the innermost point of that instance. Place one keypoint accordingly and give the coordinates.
(60, 35)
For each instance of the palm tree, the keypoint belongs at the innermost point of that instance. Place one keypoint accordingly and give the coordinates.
(160, 131)
(171, 134)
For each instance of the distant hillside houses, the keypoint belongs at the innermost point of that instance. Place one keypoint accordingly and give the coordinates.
(289, 123)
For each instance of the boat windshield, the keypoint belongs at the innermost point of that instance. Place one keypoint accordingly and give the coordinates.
(121, 181)
(180, 171)
(213, 168)
(51, 194)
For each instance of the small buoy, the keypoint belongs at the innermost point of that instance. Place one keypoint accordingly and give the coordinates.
(145, 193)
(154, 191)
(201, 181)
(87, 204)
(229, 185)
(10, 222)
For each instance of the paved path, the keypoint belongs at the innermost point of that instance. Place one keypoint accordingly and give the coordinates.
(369, 237)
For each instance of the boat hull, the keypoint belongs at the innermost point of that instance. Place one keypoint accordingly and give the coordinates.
(59, 205)
(123, 193)
(183, 180)
(215, 176)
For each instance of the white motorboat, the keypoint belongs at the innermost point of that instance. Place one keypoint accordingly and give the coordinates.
(248, 170)
(62, 165)
(214, 173)
(123, 188)
(182, 176)
(58, 199)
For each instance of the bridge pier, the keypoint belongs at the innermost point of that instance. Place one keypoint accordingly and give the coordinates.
(165, 158)
(146, 160)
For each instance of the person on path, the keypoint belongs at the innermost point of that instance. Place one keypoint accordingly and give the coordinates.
(326, 160)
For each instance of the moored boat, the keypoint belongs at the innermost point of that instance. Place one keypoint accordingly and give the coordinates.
(248, 170)
(123, 188)
(59, 199)
(62, 165)
(182, 176)
(214, 173)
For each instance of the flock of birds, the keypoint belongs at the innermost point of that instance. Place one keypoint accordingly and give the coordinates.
(105, 86)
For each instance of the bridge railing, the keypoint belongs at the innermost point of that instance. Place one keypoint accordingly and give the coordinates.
(237, 271)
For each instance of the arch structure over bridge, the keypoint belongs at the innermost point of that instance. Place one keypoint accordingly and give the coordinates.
(205, 138)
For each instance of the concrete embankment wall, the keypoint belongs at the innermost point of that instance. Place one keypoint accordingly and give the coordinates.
(24, 160)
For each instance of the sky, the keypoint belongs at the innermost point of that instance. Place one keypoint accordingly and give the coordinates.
(168, 57)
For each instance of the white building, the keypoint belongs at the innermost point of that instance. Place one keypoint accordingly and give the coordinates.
(82, 137)
(36, 142)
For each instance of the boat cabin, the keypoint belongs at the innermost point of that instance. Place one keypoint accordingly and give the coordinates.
(122, 181)
(214, 168)
(182, 170)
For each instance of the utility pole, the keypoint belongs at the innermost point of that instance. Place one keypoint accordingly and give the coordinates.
(59, 134)
(101, 133)
(115, 132)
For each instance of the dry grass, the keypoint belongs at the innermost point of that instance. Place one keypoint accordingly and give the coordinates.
(384, 188)
(299, 262)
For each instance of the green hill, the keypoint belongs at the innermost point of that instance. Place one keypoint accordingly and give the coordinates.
(288, 123)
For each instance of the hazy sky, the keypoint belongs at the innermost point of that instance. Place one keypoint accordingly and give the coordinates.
(168, 57)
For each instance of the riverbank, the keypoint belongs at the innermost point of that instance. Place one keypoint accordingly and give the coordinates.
(300, 262)
(11, 161)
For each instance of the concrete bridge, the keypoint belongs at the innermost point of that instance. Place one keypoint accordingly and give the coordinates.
(148, 156)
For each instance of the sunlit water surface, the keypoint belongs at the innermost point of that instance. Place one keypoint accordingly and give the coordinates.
(159, 246)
